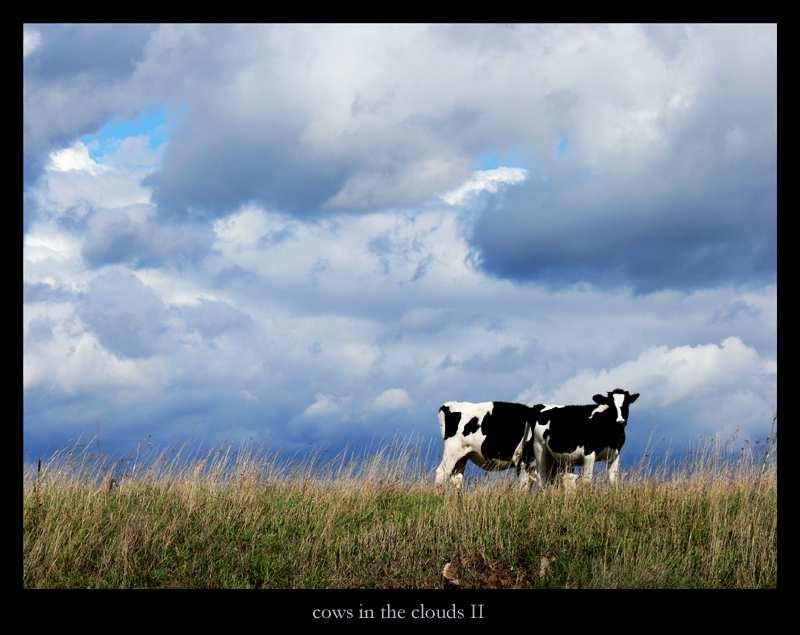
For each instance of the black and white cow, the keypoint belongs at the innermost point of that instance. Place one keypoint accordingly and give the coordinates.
(580, 435)
(490, 434)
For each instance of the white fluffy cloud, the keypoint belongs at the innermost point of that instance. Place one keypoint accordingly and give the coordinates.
(716, 387)
(74, 184)
(76, 157)
(391, 399)
(31, 40)
(485, 181)
(670, 374)
(324, 406)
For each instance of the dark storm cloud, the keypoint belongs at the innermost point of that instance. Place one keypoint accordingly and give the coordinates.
(726, 232)
(689, 200)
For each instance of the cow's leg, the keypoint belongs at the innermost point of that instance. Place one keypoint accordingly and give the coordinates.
(442, 471)
(526, 476)
(613, 469)
(588, 468)
(452, 465)
(544, 464)
(533, 476)
(538, 455)
(524, 458)
(457, 475)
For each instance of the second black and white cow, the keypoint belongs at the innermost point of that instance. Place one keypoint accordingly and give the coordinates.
(490, 434)
(580, 435)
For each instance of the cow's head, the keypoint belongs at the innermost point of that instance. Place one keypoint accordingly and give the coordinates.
(618, 400)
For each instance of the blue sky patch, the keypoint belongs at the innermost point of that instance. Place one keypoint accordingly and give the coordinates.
(156, 122)
(505, 159)
(562, 147)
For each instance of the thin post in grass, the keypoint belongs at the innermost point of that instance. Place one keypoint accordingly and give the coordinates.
(38, 477)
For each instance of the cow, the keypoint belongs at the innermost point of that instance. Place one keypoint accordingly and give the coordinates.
(564, 436)
(490, 434)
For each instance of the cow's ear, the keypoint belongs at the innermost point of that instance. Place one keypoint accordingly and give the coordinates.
(633, 397)
(600, 400)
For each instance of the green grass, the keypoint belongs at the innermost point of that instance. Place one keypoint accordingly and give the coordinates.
(386, 526)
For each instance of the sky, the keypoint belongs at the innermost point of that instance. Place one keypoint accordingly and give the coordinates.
(310, 236)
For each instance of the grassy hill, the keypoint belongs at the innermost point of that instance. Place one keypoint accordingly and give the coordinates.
(250, 522)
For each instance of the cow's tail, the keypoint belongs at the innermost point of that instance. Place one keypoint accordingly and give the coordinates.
(526, 436)
(441, 420)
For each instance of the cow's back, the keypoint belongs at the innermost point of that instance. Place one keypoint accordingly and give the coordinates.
(503, 428)
(493, 428)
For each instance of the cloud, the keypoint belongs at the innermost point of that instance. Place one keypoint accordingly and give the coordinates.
(327, 223)
(133, 235)
(393, 185)
(485, 181)
(66, 67)
(212, 318)
(324, 406)
(572, 232)
(649, 180)
(703, 388)
(251, 227)
(391, 399)
(64, 364)
(31, 40)
(636, 199)
(182, 351)
(423, 319)
(74, 184)
(105, 201)
(44, 292)
(75, 157)
(38, 330)
(671, 374)
(127, 317)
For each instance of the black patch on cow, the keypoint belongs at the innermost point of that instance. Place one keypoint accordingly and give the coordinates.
(571, 427)
(504, 427)
(472, 426)
(451, 420)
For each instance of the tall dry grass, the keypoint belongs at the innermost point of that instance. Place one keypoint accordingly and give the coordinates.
(246, 519)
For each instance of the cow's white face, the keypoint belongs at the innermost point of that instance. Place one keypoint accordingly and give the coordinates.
(619, 401)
